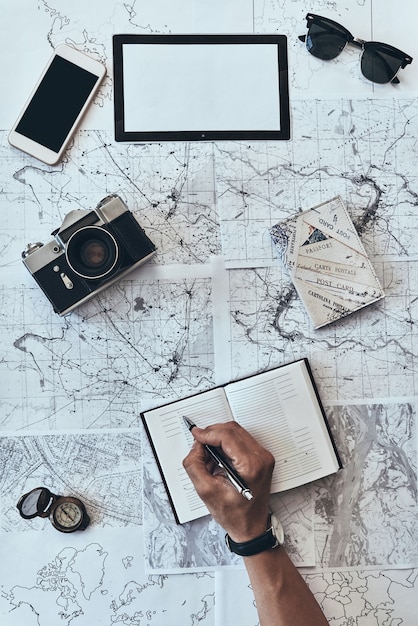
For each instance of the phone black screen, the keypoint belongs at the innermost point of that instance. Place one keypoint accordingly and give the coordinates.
(56, 103)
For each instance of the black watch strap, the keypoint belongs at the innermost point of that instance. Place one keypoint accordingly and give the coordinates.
(263, 542)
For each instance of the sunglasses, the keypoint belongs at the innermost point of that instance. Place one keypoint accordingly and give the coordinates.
(379, 62)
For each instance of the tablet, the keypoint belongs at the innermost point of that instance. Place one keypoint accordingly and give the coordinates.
(200, 87)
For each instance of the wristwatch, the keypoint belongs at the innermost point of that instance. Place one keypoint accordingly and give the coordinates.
(272, 538)
(66, 513)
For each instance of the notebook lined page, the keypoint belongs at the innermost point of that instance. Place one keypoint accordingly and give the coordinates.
(280, 410)
(172, 442)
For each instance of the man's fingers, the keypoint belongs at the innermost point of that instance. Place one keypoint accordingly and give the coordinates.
(201, 471)
(196, 457)
(196, 463)
(230, 437)
(237, 444)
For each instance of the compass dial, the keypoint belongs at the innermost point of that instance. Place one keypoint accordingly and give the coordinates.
(67, 515)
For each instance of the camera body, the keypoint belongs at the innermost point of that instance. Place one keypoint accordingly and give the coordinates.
(90, 251)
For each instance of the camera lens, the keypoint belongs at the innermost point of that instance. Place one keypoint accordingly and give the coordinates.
(92, 252)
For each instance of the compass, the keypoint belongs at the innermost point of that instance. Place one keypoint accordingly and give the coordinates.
(66, 513)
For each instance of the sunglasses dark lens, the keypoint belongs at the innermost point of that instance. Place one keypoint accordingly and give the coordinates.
(380, 63)
(326, 40)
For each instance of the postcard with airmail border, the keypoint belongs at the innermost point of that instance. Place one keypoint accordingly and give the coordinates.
(322, 252)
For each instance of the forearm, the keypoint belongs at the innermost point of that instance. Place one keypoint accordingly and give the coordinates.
(281, 595)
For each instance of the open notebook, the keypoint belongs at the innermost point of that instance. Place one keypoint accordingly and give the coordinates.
(280, 408)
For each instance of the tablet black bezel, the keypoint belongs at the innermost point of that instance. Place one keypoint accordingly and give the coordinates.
(202, 135)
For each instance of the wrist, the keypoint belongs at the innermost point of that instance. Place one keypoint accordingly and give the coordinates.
(271, 537)
(248, 531)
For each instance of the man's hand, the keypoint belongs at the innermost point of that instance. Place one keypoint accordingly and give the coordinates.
(242, 519)
(281, 595)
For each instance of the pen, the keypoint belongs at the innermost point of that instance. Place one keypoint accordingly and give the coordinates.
(232, 475)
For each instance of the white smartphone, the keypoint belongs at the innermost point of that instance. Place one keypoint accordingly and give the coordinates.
(57, 103)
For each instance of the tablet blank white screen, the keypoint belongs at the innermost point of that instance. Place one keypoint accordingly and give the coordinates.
(201, 87)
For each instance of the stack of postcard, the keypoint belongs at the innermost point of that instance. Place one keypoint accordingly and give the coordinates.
(327, 262)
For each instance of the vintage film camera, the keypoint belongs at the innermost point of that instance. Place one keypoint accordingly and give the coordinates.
(91, 250)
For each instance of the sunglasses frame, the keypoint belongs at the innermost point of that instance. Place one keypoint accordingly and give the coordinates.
(404, 58)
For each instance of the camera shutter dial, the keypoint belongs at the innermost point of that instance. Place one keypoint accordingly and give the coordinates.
(31, 247)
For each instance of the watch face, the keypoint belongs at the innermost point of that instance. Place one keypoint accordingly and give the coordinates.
(277, 529)
(67, 515)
